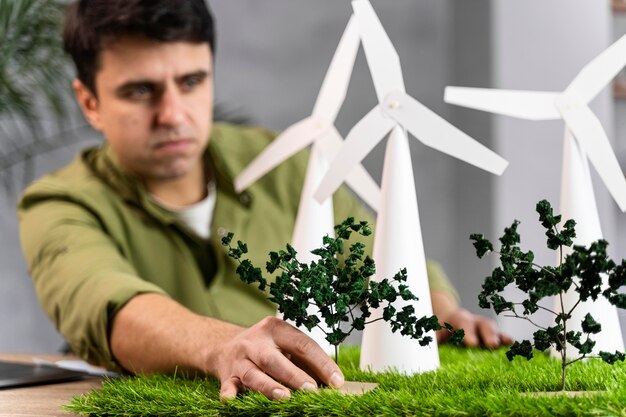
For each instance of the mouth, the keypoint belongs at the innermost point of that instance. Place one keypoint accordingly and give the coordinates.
(173, 144)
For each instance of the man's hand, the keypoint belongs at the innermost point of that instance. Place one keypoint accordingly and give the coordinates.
(479, 330)
(271, 351)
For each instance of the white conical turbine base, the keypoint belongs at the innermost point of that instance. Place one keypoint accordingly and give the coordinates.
(313, 222)
(398, 245)
(578, 202)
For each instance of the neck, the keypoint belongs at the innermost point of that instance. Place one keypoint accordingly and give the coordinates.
(179, 192)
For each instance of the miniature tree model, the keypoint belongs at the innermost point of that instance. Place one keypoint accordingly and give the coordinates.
(583, 269)
(340, 291)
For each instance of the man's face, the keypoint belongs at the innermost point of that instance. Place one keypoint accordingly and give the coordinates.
(154, 106)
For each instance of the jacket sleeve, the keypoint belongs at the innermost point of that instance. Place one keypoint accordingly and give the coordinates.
(347, 205)
(80, 277)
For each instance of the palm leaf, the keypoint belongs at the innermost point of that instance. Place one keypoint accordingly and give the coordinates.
(34, 80)
(33, 70)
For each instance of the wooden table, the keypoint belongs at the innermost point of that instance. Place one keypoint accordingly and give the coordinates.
(41, 400)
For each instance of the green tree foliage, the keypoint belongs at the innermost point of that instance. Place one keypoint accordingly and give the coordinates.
(341, 292)
(582, 269)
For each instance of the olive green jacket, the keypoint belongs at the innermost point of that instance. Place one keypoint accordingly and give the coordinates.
(93, 239)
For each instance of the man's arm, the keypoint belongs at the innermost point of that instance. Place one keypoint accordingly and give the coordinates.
(112, 317)
(154, 333)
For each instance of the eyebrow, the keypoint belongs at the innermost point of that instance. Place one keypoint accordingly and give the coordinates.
(129, 85)
(200, 73)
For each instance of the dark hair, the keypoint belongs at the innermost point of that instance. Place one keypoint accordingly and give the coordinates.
(91, 24)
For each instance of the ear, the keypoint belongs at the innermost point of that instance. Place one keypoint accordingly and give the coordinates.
(88, 103)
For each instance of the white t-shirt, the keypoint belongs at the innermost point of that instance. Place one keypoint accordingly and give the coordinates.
(197, 216)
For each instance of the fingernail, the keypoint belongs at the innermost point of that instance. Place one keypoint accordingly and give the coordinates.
(279, 394)
(228, 393)
(307, 386)
(336, 380)
(227, 397)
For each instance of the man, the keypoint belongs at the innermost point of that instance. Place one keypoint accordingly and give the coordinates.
(123, 244)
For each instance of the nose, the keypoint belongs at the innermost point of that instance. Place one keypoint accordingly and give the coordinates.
(170, 108)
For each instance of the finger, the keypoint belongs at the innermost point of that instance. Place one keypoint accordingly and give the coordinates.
(230, 388)
(304, 350)
(471, 338)
(505, 339)
(488, 333)
(256, 380)
(307, 370)
(442, 335)
(274, 363)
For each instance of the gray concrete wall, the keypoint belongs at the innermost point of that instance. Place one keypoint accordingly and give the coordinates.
(23, 325)
(271, 59)
(282, 56)
(471, 57)
(619, 122)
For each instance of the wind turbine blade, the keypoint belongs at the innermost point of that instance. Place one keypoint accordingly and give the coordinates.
(381, 55)
(434, 131)
(333, 91)
(292, 140)
(592, 138)
(359, 180)
(363, 137)
(362, 183)
(597, 74)
(533, 105)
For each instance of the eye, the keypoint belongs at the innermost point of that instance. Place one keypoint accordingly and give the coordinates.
(190, 82)
(140, 92)
(137, 91)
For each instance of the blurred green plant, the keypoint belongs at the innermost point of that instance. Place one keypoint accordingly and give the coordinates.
(35, 89)
(33, 69)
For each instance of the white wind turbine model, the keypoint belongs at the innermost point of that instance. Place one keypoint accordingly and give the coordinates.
(398, 243)
(314, 219)
(584, 138)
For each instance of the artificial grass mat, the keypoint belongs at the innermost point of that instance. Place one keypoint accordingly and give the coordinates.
(470, 382)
